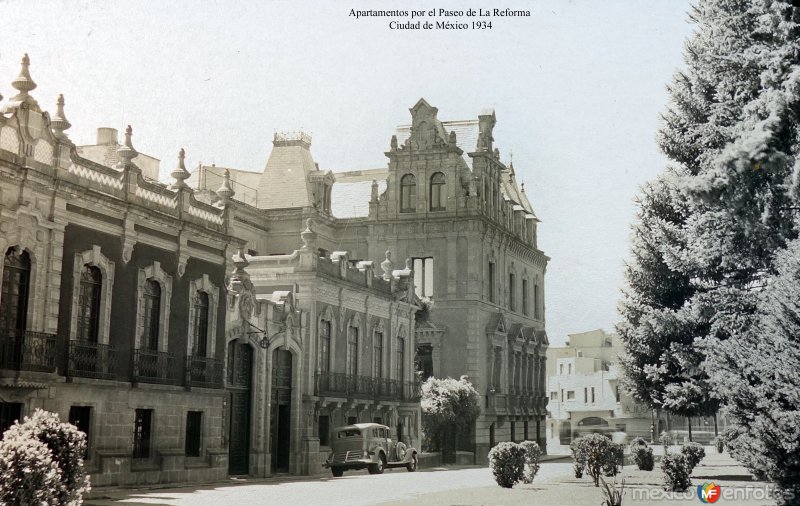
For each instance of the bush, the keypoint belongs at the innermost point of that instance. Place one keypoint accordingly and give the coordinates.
(507, 461)
(448, 406)
(532, 454)
(578, 456)
(597, 452)
(639, 441)
(643, 457)
(30, 475)
(676, 472)
(67, 446)
(614, 459)
(694, 453)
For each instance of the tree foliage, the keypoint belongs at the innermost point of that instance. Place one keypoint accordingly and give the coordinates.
(447, 405)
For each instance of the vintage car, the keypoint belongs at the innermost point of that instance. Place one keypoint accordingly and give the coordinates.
(368, 445)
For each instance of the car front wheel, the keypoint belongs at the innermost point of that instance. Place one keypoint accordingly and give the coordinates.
(378, 467)
(337, 472)
(412, 466)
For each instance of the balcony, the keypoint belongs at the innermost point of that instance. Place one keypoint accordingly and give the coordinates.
(203, 372)
(92, 360)
(25, 350)
(156, 367)
(340, 384)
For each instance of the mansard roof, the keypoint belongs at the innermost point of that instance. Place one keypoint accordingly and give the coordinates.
(284, 182)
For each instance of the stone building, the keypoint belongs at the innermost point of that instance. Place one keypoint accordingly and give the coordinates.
(449, 204)
(113, 302)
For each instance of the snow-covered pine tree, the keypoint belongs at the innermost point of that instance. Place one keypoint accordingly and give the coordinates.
(658, 329)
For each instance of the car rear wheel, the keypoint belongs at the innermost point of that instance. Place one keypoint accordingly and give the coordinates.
(379, 467)
(337, 472)
(412, 466)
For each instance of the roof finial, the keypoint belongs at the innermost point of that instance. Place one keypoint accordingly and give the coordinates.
(179, 173)
(23, 84)
(308, 236)
(225, 191)
(387, 266)
(125, 152)
(60, 121)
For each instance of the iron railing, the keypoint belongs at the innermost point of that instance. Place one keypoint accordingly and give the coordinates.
(334, 383)
(92, 360)
(24, 350)
(203, 372)
(156, 367)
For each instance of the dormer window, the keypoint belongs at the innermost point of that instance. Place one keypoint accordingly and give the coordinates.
(408, 193)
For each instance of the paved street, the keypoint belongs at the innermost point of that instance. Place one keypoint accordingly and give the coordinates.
(355, 488)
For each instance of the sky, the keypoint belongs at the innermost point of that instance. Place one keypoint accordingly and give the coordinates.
(577, 88)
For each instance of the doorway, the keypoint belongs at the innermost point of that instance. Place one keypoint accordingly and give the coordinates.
(281, 419)
(240, 366)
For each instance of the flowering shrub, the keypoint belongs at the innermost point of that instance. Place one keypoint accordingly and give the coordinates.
(614, 459)
(447, 405)
(597, 451)
(67, 446)
(639, 441)
(676, 472)
(532, 454)
(507, 461)
(578, 456)
(643, 457)
(29, 473)
(694, 453)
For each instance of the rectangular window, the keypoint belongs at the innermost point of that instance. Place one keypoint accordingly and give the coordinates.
(378, 373)
(536, 311)
(570, 395)
(81, 417)
(352, 420)
(616, 392)
(324, 345)
(561, 369)
(194, 433)
(423, 276)
(525, 297)
(9, 413)
(491, 281)
(553, 396)
(142, 421)
(525, 430)
(401, 359)
(585, 395)
(324, 430)
(511, 301)
(498, 368)
(352, 351)
(379, 420)
(513, 432)
(569, 368)
(592, 394)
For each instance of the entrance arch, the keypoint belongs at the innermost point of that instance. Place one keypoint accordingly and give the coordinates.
(240, 378)
(280, 415)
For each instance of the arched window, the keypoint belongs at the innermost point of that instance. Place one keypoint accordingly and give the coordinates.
(438, 196)
(324, 345)
(152, 314)
(378, 339)
(401, 358)
(408, 193)
(352, 350)
(89, 304)
(14, 295)
(201, 307)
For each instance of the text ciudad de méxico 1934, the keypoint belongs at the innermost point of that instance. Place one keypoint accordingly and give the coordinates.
(439, 19)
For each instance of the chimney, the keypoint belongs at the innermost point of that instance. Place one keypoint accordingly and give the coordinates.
(107, 135)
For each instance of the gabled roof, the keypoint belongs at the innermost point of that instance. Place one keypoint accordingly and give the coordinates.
(497, 323)
(466, 135)
(515, 331)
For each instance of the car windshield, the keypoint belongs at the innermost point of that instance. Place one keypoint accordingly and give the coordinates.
(349, 433)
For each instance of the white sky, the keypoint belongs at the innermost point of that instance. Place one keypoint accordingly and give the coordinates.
(577, 88)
